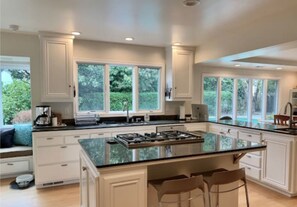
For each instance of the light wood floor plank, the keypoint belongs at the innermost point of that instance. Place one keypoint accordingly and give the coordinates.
(68, 196)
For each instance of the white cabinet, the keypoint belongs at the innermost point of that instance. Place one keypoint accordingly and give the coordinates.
(223, 130)
(88, 185)
(56, 157)
(56, 63)
(277, 161)
(11, 167)
(127, 187)
(179, 73)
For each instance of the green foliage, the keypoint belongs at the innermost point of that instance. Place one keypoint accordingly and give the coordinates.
(117, 99)
(16, 97)
(120, 78)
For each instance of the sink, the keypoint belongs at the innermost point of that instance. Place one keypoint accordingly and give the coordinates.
(288, 130)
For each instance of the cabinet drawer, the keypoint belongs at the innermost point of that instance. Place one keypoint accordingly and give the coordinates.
(250, 171)
(49, 141)
(14, 167)
(73, 139)
(58, 172)
(253, 137)
(54, 154)
(251, 159)
(101, 135)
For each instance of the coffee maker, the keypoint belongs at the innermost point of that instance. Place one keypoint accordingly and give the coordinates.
(43, 116)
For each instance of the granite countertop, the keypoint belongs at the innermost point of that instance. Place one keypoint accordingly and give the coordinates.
(235, 123)
(103, 154)
(257, 125)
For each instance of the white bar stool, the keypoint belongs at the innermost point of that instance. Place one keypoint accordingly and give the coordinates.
(222, 177)
(178, 185)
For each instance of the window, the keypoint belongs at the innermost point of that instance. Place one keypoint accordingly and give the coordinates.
(240, 98)
(257, 99)
(15, 90)
(91, 87)
(149, 88)
(227, 85)
(103, 88)
(210, 95)
(271, 100)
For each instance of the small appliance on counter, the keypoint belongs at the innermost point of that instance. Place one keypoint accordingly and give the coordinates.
(87, 119)
(200, 112)
(43, 115)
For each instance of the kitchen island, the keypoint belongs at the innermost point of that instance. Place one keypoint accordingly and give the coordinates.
(114, 176)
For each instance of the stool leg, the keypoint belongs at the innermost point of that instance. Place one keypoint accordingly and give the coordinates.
(246, 196)
(217, 201)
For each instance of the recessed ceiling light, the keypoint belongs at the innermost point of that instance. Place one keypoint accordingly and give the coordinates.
(191, 2)
(129, 38)
(176, 43)
(279, 68)
(75, 33)
(237, 65)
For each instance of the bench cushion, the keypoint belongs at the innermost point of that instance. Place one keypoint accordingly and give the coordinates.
(16, 151)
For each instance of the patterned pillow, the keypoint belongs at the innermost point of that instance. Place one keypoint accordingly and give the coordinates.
(6, 136)
(23, 134)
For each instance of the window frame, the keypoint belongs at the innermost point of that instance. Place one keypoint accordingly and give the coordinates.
(136, 65)
(235, 90)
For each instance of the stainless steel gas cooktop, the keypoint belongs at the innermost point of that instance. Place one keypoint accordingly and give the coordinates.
(135, 140)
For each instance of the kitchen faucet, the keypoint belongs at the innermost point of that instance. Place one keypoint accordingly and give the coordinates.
(126, 108)
(291, 122)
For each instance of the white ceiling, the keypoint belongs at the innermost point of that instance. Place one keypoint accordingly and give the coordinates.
(150, 22)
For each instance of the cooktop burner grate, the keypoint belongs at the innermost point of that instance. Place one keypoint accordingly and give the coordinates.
(135, 140)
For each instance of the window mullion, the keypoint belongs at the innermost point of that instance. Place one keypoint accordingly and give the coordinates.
(250, 100)
(235, 89)
(106, 88)
(135, 90)
(264, 100)
(219, 88)
(1, 107)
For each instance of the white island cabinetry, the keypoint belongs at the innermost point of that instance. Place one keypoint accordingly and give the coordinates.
(279, 162)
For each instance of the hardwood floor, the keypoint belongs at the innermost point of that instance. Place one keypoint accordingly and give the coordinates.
(68, 196)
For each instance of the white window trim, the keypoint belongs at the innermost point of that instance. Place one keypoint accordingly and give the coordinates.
(106, 112)
(250, 78)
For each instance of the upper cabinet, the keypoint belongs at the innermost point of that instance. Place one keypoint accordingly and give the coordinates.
(56, 63)
(179, 73)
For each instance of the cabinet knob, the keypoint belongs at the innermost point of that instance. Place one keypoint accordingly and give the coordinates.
(69, 86)
(84, 168)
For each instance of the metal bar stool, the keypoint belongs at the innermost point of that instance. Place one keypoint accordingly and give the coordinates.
(222, 177)
(176, 186)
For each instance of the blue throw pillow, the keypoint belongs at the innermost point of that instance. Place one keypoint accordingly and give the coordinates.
(6, 136)
(23, 134)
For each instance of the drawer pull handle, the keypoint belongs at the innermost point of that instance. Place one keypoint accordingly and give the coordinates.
(64, 147)
(249, 135)
(10, 164)
(49, 138)
(76, 136)
(100, 134)
(248, 168)
(64, 165)
(223, 133)
(249, 156)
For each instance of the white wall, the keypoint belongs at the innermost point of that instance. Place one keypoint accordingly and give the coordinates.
(288, 80)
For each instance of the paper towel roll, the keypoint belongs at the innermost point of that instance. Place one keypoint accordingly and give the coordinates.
(182, 112)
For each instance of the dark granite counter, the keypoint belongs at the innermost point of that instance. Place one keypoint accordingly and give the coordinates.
(258, 126)
(103, 154)
(111, 125)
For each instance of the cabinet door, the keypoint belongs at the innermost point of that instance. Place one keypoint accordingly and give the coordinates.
(182, 72)
(276, 161)
(57, 68)
(125, 188)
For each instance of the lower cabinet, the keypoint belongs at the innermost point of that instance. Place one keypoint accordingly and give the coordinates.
(88, 185)
(277, 161)
(123, 187)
